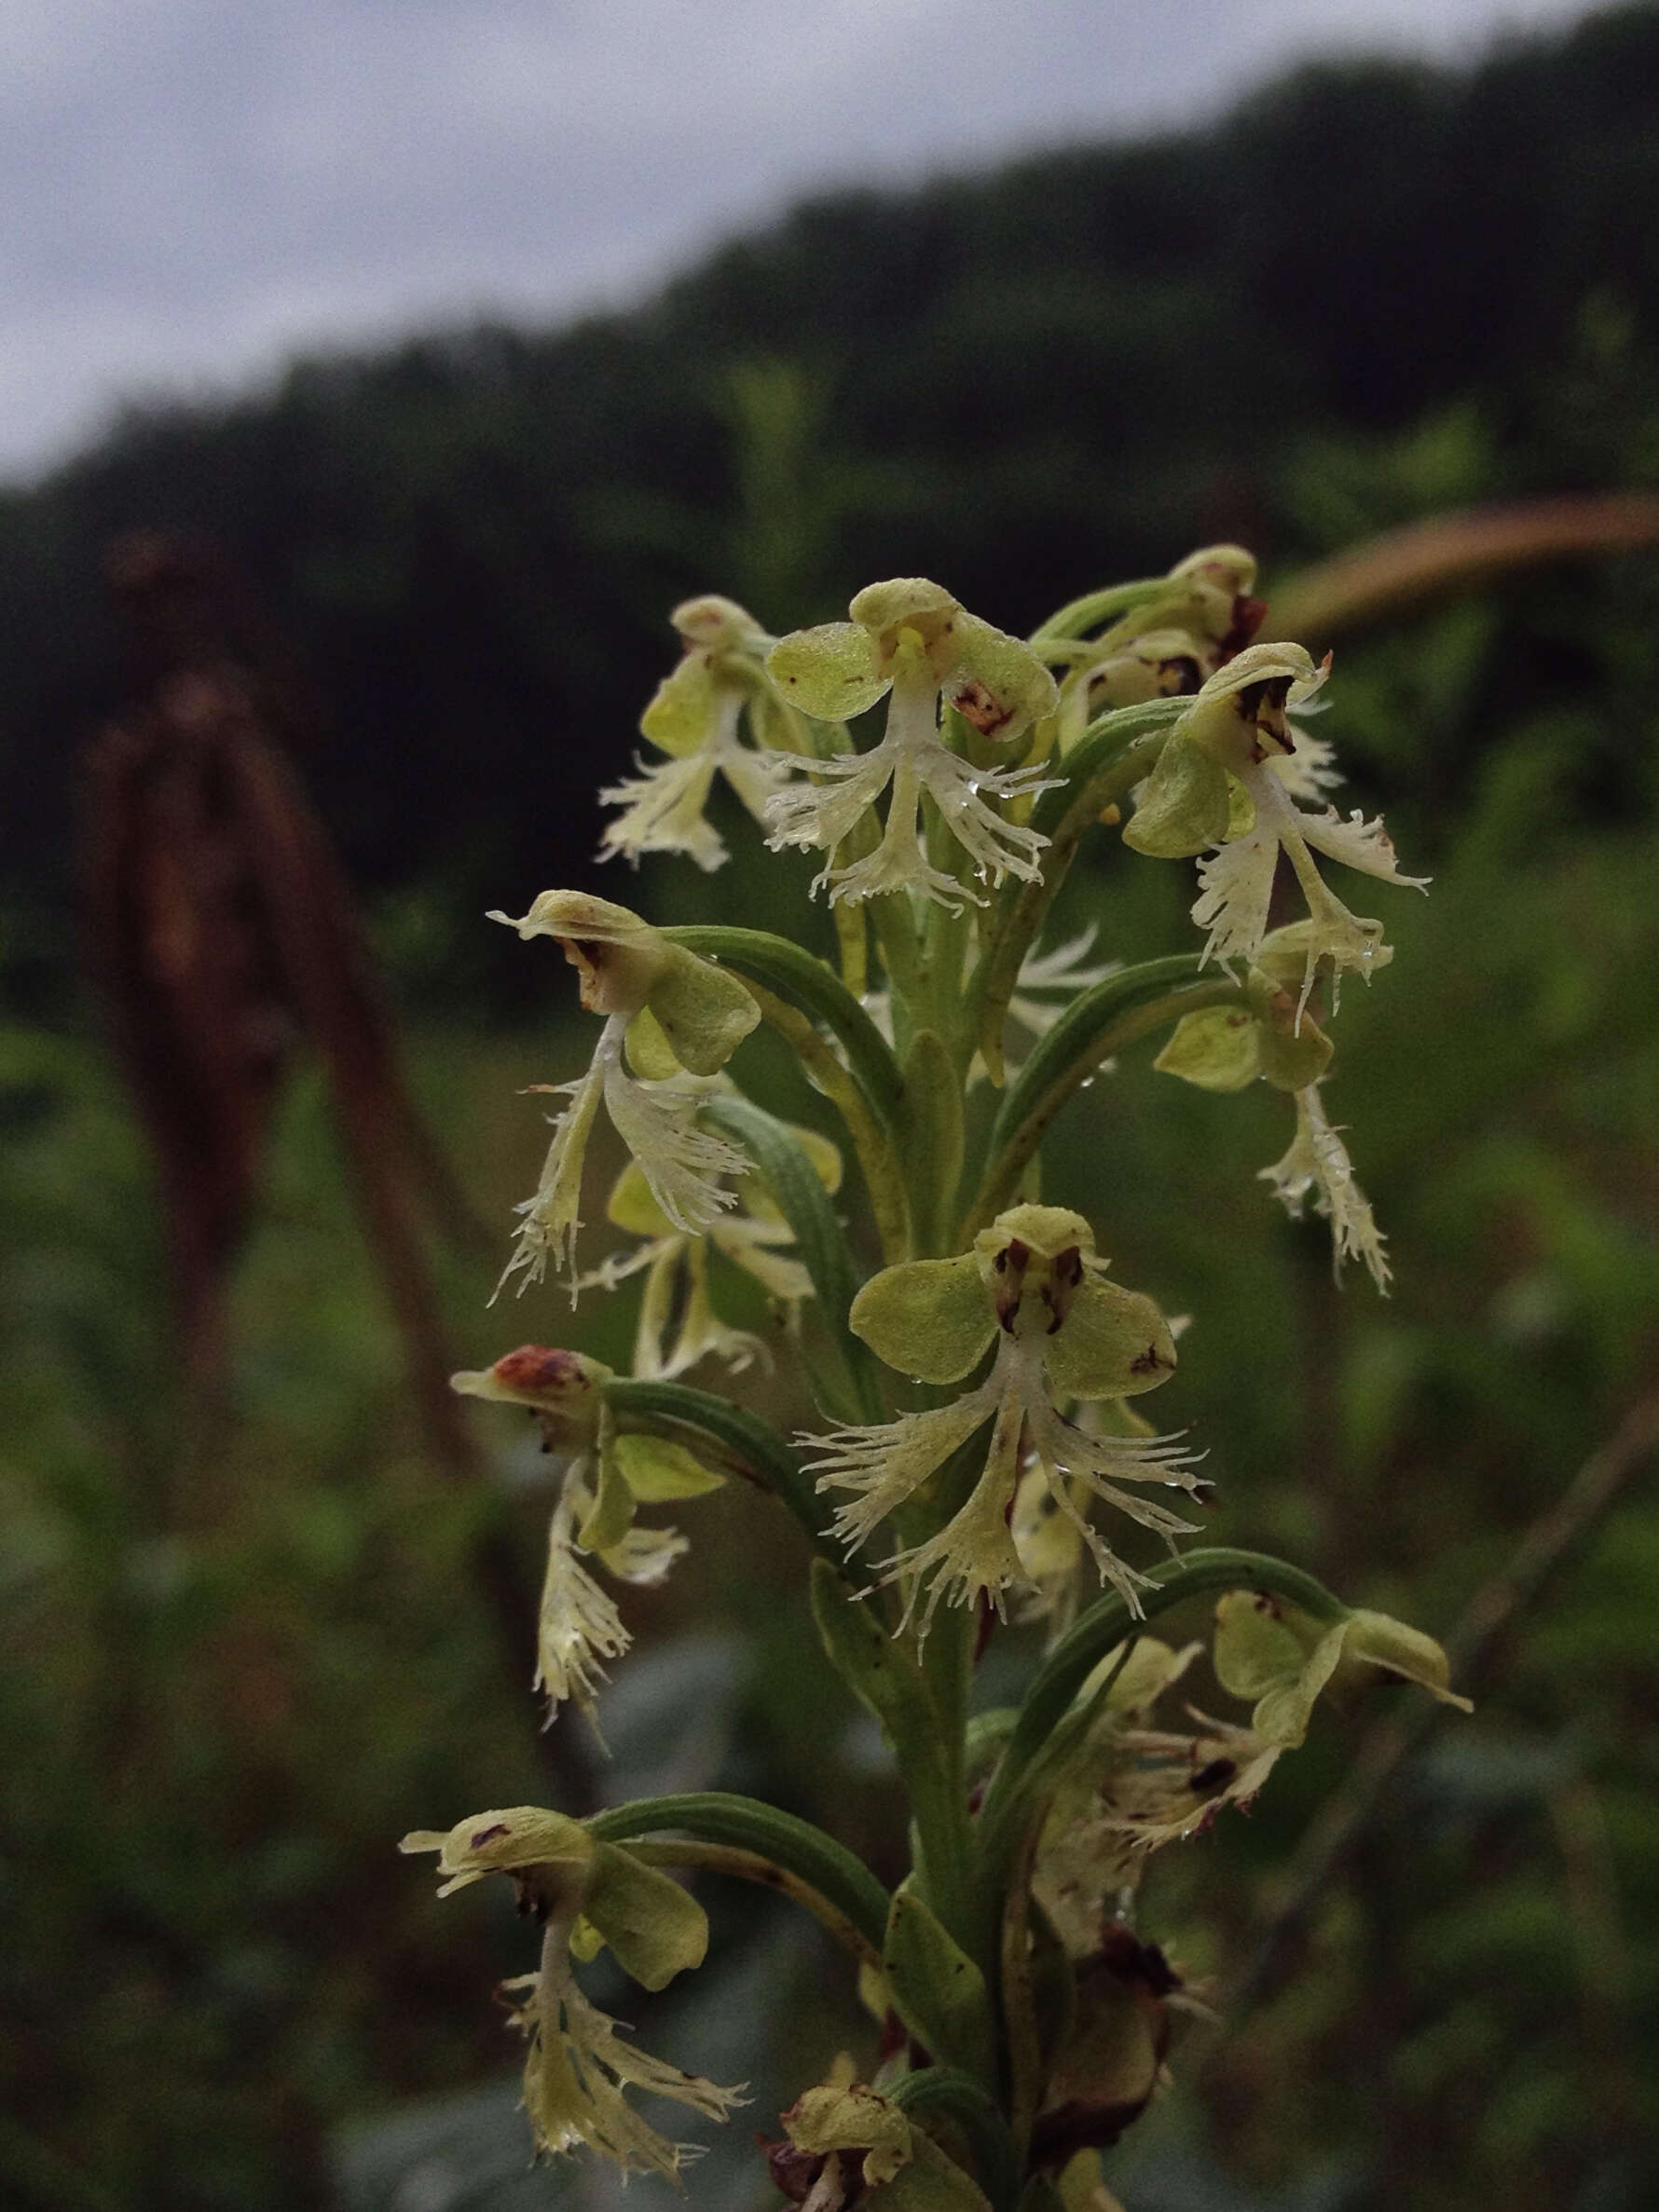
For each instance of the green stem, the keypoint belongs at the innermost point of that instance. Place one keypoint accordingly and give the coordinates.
(1110, 757)
(730, 1436)
(938, 1785)
(877, 1157)
(793, 1182)
(718, 1816)
(754, 1867)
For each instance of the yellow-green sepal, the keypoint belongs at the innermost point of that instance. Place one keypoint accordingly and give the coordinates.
(655, 1928)
(677, 721)
(610, 1516)
(1112, 1344)
(704, 1013)
(657, 1470)
(928, 1318)
(828, 672)
(1185, 804)
(1217, 1049)
(650, 1053)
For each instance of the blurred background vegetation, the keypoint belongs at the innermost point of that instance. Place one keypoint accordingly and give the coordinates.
(248, 1642)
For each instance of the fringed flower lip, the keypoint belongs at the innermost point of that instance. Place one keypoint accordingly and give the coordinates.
(695, 721)
(910, 639)
(589, 1894)
(1033, 1285)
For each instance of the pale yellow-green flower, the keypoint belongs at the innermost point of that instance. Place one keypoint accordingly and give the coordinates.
(910, 638)
(696, 720)
(672, 1015)
(579, 1628)
(1230, 777)
(589, 1893)
(1034, 1285)
(1161, 1786)
(874, 2154)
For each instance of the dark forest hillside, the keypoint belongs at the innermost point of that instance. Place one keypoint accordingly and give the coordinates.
(1079, 364)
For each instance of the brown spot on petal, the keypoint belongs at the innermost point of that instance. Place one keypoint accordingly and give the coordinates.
(982, 708)
(476, 1843)
(540, 1367)
(1149, 1361)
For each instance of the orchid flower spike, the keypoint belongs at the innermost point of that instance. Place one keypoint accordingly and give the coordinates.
(1033, 1285)
(909, 638)
(1231, 775)
(677, 1016)
(695, 721)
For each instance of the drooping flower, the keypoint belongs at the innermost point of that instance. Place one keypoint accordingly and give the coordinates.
(1033, 1285)
(910, 638)
(1221, 781)
(589, 1893)
(579, 1628)
(1138, 1785)
(696, 720)
(667, 1011)
(848, 2144)
(1317, 1162)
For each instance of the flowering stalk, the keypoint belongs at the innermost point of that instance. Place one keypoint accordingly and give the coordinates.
(976, 1451)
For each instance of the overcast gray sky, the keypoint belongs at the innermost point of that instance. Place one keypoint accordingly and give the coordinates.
(192, 190)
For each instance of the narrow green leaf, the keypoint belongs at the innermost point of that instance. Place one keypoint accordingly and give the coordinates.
(781, 1161)
(1099, 1022)
(936, 1989)
(717, 1816)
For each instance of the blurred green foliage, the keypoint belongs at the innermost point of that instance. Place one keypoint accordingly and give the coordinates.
(242, 1648)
